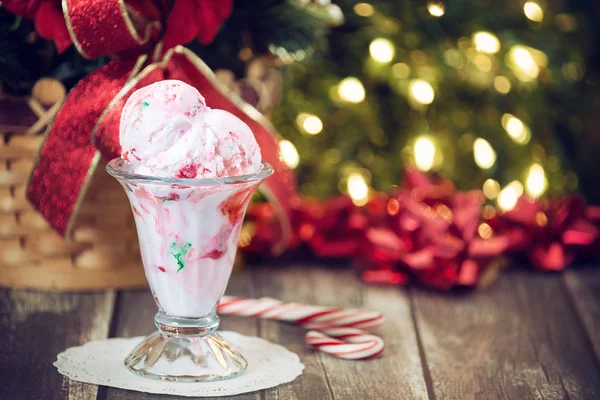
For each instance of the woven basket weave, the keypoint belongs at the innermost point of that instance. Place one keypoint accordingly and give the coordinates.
(103, 251)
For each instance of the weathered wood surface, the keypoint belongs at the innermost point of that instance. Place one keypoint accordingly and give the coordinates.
(35, 327)
(519, 339)
(528, 336)
(584, 290)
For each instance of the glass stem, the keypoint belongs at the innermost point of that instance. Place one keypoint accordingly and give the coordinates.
(180, 326)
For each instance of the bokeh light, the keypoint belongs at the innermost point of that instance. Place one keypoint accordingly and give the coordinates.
(424, 153)
(309, 123)
(516, 129)
(486, 42)
(483, 62)
(436, 8)
(484, 154)
(421, 91)
(523, 63)
(507, 199)
(491, 188)
(364, 9)
(536, 183)
(358, 189)
(382, 50)
(533, 11)
(485, 231)
(401, 70)
(502, 84)
(288, 153)
(351, 90)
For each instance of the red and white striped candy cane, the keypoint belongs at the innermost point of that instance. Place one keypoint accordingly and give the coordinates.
(348, 343)
(308, 316)
(335, 331)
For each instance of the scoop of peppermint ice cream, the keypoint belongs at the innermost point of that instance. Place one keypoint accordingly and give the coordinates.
(168, 131)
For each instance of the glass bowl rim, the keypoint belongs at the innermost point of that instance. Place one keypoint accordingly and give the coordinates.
(122, 171)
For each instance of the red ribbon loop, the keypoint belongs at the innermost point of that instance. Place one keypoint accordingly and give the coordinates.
(100, 28)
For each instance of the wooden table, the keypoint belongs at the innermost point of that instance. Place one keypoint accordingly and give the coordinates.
(528, 336)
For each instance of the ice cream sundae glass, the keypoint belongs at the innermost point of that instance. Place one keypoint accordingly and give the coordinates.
(189, 173)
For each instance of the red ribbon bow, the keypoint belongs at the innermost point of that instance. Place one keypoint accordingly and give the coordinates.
(552, 233)
(88, 123)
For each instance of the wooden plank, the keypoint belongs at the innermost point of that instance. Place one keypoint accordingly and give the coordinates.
(135, 317)
(36, 326)
(396, 375)
(583, 285)
(518, 339)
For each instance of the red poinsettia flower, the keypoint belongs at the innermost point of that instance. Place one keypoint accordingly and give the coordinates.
(196, 18)
(48, 17)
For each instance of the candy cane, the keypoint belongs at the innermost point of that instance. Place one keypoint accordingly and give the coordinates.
(333, 330)
(351, 343)
(308, 316)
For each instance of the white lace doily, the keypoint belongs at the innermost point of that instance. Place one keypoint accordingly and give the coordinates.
(101, 363)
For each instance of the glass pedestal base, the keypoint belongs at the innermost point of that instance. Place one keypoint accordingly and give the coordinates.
(186, 350)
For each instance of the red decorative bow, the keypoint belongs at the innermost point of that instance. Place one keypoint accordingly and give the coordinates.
(433, 234)
(88, 123)
(551, 234)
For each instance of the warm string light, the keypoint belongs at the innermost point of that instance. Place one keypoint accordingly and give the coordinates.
(424, 152)
(421, 91)
(401, 70)
(485, 231)
(364, 9)
(351, 90)
(507, 198)
(358, 190)
(525, 62)
(436, 8)
(533, 11)
(309, 123)
(502, 84)
(486, 42)
(484, 154)
(516, 129)
(453, 58)
(536, 183)
(382, 50)
(288, 153)
(491, 189)
(483, 62)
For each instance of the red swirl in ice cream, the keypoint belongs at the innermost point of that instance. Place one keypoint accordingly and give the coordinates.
(188, 231)
(168, 131)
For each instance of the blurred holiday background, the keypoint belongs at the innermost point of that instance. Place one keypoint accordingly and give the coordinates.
(430, 140)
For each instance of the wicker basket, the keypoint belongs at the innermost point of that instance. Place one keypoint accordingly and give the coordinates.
(103, 251)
